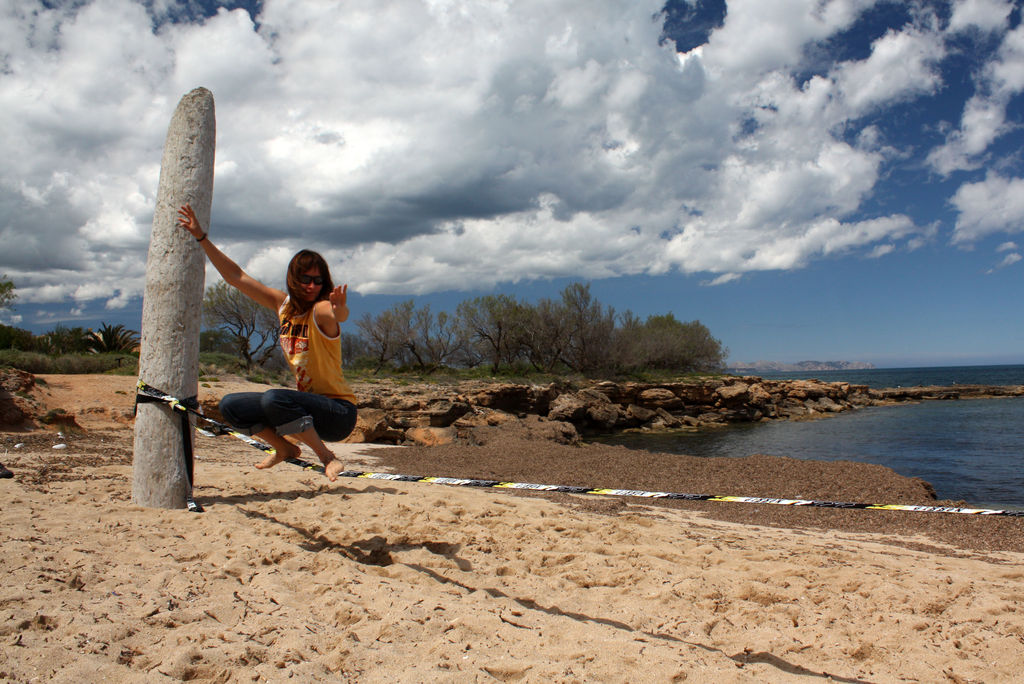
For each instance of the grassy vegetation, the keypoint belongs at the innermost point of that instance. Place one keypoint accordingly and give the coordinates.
(217, 365)
(38, 363)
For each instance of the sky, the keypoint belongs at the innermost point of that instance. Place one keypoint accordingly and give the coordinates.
(810, 179)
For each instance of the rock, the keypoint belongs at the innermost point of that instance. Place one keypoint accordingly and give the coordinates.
(13, 413)
(408, 404)
(442, 413)
(484, 418)
(735, 393)
(601, 412)
(407, 419)
(588, 406)
(806, 389)
(495, 418)
(639, 414)
(826, 405)
(568, 407)
(16, 407)
(13, 380)
(431, 436)
(372, 426)
(758, 395)
(659, 397)
(732, 395)
(515, 398)
(665, 420)
(697, 393)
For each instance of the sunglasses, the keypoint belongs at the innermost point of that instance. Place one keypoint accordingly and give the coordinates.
(307, 279)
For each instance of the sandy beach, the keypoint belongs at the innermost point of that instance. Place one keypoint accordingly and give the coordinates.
(288, 576)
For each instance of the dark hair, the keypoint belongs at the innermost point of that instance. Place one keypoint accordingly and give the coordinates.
(300, 263)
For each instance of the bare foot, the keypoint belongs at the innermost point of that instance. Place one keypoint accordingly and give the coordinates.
(282, 455)
(332, 468)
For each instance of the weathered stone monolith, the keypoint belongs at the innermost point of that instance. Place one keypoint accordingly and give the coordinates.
(175, 271)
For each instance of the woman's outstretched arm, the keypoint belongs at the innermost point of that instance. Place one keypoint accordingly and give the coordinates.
(231, 272)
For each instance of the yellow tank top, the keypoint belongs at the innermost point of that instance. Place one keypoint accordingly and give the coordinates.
(314, 357)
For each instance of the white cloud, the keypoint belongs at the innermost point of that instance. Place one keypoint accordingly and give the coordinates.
(722, 279)
(993, 205)
(91, 291)
(983, 119)
(453, 144)
(987, 15)
(119, 301)
(1008, 260)
(44, 294)
(765, 35)
(1006, 247)
(902, 65)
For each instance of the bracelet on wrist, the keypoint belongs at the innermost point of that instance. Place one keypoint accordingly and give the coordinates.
(202, 238)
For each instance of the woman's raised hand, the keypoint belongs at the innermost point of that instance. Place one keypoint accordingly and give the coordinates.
(339, 296)
(187, 220)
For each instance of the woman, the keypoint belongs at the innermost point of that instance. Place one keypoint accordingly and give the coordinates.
(323, 406)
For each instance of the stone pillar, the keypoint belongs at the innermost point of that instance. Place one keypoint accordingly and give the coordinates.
(172, 303)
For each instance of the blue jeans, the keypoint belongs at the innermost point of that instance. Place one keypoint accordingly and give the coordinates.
(288, 412)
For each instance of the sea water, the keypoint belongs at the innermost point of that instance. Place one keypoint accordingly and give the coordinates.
(969, 450)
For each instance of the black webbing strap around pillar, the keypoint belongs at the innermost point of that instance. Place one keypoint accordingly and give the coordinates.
(186, 442)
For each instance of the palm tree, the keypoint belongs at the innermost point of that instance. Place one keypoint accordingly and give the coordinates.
(113, 338)
(65, 340)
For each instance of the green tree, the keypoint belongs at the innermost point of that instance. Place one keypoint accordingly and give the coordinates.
(407, 336)
(113, 338)
(384, 335)
(591, 329)
(65, 340)
(705, 352)
(544, 334)
(433, 341)
(16, 338)
(215, 340)
(354, 350)
(7, 293)
(492, 326)
(664, 343)
(253, 328)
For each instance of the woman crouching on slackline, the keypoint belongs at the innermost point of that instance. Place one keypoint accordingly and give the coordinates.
(323, 406)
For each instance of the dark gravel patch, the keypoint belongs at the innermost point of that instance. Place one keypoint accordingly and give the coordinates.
(542, 462)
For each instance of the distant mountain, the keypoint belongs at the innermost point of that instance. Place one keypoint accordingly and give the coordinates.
(778, 366)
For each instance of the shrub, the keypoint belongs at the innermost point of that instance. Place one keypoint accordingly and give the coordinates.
(70, 364)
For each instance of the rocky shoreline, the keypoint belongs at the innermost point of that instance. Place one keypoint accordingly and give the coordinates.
(393, 411)
(469, 412)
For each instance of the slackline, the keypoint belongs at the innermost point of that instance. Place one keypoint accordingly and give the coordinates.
(220, 429)
(568, 489)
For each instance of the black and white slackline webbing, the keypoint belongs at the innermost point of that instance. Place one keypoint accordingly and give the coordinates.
(214, 428)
